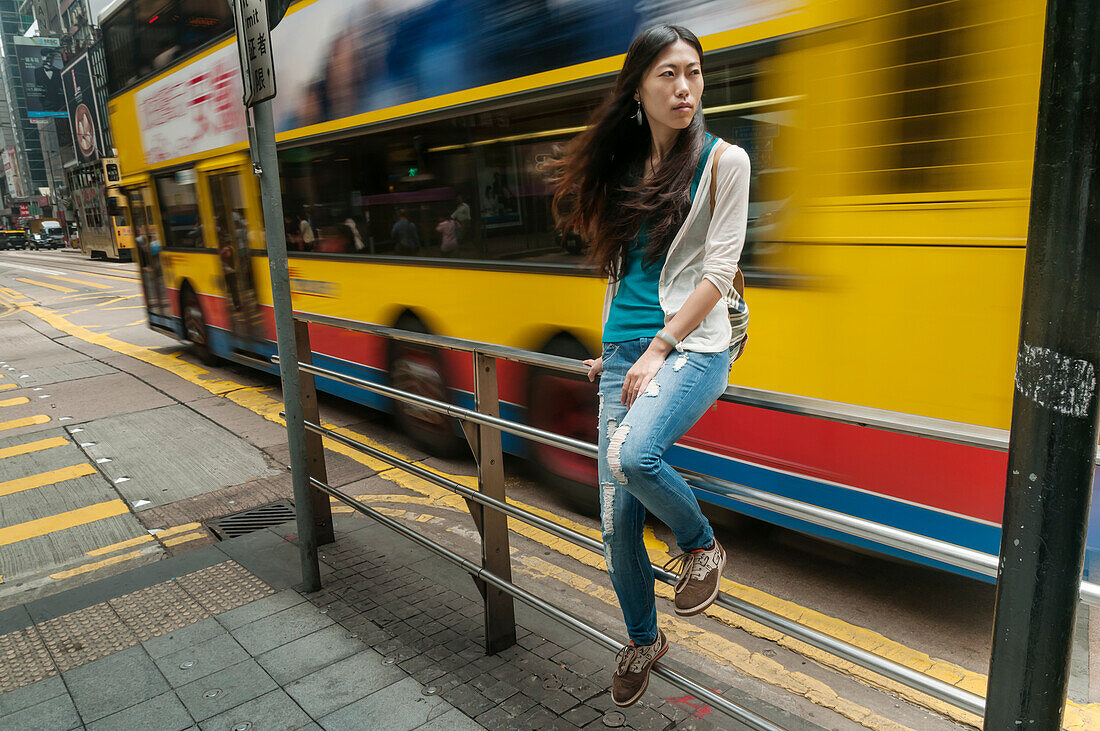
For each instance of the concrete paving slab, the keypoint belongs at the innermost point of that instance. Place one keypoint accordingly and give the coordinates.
(134, 678)
(75, 371)
(178, 388)
(28, 563)
(309, 654)
(45, 451)
(51, 715)
(249, 613)
(97, 352)
(225, 689)
(199, 660)
(452, 720)
(184, 638)
(274, 711)
(62, 550)
(164, 713)
(31, 695)
(76, 401)
(250, 426)
(203, 457)
(341, 470)
(267, 555)
(328, 689)
(280, 628)
(26, 348)
(398, 707)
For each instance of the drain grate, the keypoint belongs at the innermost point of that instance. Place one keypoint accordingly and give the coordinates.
(248, 521)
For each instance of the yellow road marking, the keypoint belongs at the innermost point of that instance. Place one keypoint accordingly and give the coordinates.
(15, 295)
(132, 280)
(78, 281)
(120, 545)
(102, 305)
(1077, 715)
(95, 565)
(42, 479)
(125, 307)
(61, 521)
(25, 421)
(186, 527)
(15, 401)
(6, 386)
(184, 538)
(33, 447)
(57, 287)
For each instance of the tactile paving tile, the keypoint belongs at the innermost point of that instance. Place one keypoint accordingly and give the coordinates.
(85, 635)
(24, 659)
(224, 586)
(158, 610)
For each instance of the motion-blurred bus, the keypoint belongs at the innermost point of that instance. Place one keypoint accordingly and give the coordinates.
(105, 231)
(891, 146)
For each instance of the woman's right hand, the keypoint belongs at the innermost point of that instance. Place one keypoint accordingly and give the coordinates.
(595, 367)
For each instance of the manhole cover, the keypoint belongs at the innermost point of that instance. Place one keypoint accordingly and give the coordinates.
(614, 719)
(248, 521)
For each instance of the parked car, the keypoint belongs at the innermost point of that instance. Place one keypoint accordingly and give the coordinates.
(15, 238)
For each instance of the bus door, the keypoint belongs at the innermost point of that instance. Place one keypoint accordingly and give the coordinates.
(234, 232)
(147, 245)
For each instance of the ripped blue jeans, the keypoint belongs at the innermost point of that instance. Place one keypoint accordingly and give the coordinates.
(634, 476)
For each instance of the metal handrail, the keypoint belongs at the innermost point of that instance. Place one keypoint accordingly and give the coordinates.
(942, 430)
(883, 666)
(739, 712)
(952, 554)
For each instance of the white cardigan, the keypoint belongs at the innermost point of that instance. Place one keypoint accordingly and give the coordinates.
(706, 248)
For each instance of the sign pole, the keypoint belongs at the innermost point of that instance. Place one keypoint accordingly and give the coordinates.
(1055, 407)
(258, 75)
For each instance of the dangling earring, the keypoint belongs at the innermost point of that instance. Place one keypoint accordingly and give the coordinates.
(638, 115)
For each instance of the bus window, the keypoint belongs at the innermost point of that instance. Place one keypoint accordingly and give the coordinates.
(482, 172)
(179, 209)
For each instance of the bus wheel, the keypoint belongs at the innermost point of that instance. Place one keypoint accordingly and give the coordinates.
(420, 370)
(194, 328)
(564, 404)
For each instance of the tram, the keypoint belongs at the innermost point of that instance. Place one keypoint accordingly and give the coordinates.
(891, 146)
(105, 231)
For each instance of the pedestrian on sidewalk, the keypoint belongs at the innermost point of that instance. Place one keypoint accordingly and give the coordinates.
(628, 182)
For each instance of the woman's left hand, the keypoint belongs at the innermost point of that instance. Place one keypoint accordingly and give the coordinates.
(640, 374)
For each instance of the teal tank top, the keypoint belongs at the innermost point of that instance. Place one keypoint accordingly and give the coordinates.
(636, 310)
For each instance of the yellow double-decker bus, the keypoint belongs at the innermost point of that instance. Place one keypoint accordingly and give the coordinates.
(105, 231)
(891, 145)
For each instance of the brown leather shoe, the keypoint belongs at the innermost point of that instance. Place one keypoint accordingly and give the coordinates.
(700, 576)
(632, 674)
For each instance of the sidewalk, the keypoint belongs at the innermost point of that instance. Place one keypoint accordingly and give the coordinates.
(219, 638)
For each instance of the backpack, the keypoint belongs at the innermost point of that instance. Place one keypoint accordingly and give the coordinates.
(736, 307)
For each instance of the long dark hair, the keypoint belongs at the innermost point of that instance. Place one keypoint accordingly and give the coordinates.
(599, 174)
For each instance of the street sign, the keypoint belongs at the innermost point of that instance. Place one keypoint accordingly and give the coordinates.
(254, 49)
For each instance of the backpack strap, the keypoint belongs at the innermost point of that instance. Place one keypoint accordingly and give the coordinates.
(721, 147)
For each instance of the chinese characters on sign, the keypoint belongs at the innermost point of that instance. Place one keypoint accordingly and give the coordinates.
(254, 47)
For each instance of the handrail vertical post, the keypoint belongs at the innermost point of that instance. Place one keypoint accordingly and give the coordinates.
(315, 448)
(500, 614)
(1056, 404)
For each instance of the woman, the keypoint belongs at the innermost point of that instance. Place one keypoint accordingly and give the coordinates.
(639, 183)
